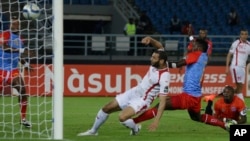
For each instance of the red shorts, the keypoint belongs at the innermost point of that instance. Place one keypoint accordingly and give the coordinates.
(186, 101)
(6, 77)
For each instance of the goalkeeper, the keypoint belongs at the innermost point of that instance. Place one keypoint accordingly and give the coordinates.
(228, 108)
(11, 47)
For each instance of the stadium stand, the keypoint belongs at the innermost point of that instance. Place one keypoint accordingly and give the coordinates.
(211, 14)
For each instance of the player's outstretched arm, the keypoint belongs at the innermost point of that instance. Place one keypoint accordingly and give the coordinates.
(149, 40)
(229, 56)
(177, 64)
(154, 125)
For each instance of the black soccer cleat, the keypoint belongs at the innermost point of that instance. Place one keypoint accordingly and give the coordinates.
(26, 124)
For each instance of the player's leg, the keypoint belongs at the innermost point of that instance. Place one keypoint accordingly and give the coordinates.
(151, 113)
(137, 105)
(18, 84)
(238, 90)
(209, 109)
(118, 103)
(101, 117)
(238, 77)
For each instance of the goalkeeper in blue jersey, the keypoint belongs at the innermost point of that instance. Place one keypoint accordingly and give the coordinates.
(11, 47)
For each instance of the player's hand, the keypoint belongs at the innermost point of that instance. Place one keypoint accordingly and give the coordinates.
(146, 40)
(153, 126)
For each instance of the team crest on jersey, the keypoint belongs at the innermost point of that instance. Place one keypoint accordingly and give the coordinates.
(166, 89)
(233, 109)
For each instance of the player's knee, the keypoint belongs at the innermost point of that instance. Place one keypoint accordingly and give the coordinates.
(122, 118)
(195, 118)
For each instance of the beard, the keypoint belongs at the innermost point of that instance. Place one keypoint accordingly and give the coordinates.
(156, 64)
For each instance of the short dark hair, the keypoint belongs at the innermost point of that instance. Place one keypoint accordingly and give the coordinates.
(162, 54)
(202, 43)
(230, 88)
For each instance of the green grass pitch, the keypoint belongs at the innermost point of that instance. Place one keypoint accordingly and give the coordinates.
(79, 114)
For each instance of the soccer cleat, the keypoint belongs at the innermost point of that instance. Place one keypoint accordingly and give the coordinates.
(88, 133)
(26, 123)
(209, 97)
(136, 130)
(229, 123)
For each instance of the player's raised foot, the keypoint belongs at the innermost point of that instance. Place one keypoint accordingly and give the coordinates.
(136, 130)
(26, 124)
(209, 97)
(88, 133)
(229, 123)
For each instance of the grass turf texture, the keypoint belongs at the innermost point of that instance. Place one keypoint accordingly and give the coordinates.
(80, 112)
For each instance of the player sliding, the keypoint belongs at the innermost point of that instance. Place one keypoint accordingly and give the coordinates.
(190, 98)
(229, 107)
(138, 99)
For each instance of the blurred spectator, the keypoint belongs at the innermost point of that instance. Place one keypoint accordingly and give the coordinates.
(139, 32)
(187, 29)
(130, 27)
(139, 27)
(175, 25)
(233, 17)
(145, 22)
(130, 30)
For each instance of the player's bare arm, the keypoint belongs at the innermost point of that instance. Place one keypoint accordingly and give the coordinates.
(153, 126)
(149, 40)
(177, 64)
(9, 49)
(229, 56)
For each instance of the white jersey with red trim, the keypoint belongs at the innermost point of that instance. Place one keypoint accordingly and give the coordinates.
(240, 51)
(153, 83)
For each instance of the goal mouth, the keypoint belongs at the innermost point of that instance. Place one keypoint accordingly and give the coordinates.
(27, 94)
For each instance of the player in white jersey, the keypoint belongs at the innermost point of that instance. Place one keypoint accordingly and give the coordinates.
(238, 55)
(139, 98)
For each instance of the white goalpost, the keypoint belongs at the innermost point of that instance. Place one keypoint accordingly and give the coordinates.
(44, 83)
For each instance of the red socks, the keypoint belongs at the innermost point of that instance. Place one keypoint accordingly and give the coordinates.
(23, 107)
(208, 119)
(149, 114)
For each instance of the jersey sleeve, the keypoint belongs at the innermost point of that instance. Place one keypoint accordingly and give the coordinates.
(233, 46)
(217, 112)
(164, 83)
(241, 107)
(193, 57)
(210, 47)
(4, 37)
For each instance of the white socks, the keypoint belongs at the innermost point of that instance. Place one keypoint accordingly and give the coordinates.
(240, 95)
(129, 123)
(101, 117)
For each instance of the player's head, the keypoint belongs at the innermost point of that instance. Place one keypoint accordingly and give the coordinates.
(14, 24)
(228, 94)
(200, 44)
(159, 58)
(203, 33)
(243, 34)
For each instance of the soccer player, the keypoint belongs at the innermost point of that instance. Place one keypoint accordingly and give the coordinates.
(238, 55)
(228, 108)
(202, 35)
(190, 98)
(10, 50)
(138, 99)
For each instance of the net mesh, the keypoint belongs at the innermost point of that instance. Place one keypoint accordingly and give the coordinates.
(37, 37)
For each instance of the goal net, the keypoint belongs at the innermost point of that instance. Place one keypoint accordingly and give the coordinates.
(37, 37)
